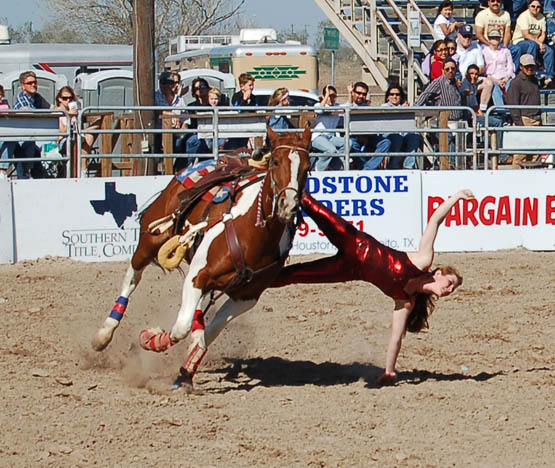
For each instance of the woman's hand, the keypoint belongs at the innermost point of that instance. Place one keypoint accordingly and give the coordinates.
(387, 378)
(465, 194)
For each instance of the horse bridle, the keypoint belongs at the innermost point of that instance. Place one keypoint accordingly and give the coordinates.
(262, 222)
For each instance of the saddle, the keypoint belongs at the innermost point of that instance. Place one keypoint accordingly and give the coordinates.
(228, 168)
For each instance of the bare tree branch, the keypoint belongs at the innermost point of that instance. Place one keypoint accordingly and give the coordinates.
(110, 21)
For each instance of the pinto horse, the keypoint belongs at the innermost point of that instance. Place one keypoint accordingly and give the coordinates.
(236, 248)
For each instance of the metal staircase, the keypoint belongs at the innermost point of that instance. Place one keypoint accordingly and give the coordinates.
(377, 32)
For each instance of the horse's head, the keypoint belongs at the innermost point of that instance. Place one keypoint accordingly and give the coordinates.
(288, 168)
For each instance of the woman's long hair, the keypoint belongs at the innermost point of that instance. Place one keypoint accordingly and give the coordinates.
(278, 96)
(424, 304)
(69, 89)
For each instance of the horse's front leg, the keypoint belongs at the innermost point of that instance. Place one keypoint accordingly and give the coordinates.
(202, 337)
(158, 340)
(104, 335)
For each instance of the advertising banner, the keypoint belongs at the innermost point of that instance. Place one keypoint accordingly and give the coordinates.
(6, 223)
(384, 204)
(83, 219)
(512, 209)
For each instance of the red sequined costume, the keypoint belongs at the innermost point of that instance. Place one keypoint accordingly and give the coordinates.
(359, 257)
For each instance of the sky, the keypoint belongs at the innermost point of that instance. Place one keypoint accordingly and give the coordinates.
(279, 14)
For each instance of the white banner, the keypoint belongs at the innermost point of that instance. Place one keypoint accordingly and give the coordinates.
(6, 223)
(83, 219)
(95, 219)
(512, 209)
(385, 204)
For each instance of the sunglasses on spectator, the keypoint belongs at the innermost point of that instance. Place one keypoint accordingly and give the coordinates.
(450, 68)
(201, 87)
(495, 1)
(66, 98)
(360, 93)
(535, 6)
(451, 48)
(442, 49)
(394, 94)
(34, 82)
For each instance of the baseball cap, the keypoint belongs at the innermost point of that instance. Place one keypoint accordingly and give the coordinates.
(166, 78)
(526, 60)
(466, 30)
(494, 33)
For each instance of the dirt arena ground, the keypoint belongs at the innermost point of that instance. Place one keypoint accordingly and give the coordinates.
(290, 384)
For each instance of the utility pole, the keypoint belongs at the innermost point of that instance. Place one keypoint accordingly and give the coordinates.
(143, 82)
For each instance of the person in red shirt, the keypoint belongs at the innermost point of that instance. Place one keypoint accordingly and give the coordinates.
(439, 54)
(404, 276)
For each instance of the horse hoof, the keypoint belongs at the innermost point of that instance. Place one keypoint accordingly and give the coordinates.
(155, 339)
(102, 338)
(184, 381)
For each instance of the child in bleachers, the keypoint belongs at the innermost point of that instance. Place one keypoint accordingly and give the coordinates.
(444, 24)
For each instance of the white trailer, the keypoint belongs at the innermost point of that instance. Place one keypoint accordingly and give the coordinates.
(65, 59)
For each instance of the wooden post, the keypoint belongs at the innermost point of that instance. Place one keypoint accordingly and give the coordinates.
(106, 146)
(167, 144)
(143, 79)
(127, 123)
(74, 157)
(443, 141)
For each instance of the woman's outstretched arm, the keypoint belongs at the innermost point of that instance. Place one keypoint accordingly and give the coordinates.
(426, 247)
(398, 328)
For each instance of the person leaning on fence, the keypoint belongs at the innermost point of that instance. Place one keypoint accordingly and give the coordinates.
(328, 142)
(242, 98)
(66, 101)
(444, 92)
(530, 37)
(407, 142)
(29, 98)
(279, 121)
(525, 91)
(168, 96)
(196, 145)
(199, 91)
(6, 147)
(358, 96)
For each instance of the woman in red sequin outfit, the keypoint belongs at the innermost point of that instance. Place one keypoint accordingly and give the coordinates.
(403, 276)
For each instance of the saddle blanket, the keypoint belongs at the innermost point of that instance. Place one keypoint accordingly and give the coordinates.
(191, 175)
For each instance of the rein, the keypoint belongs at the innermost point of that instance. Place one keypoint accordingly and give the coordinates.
(261, 221)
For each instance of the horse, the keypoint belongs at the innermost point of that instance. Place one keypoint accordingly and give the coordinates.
(235, 248)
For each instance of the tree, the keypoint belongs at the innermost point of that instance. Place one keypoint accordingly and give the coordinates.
(292, 35)
(111, 21)
(345, 52)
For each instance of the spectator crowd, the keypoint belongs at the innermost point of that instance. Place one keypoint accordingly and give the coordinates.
(504, 58)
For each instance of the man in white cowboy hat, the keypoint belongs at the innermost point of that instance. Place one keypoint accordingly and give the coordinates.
(524, 91)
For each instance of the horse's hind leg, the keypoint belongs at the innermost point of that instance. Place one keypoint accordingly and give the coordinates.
(202, 337)
(105, 333)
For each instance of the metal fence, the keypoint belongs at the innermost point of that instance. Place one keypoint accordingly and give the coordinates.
(445, 144)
